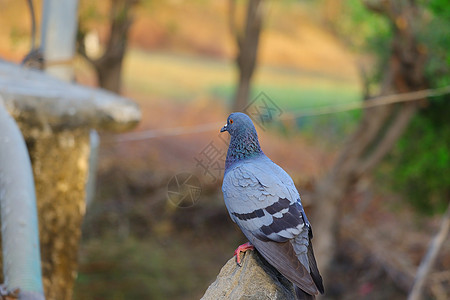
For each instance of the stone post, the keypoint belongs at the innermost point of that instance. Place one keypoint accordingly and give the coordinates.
(56, 118)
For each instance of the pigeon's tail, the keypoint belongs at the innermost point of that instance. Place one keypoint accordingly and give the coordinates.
(301, 295)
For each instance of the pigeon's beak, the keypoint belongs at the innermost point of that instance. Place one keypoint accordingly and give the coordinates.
(224, 128)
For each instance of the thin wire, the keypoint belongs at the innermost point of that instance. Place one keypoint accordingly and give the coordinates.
(154, 133)
(377, 101)
(317, 111)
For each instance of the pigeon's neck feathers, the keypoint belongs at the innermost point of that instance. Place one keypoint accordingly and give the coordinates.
(243, 145)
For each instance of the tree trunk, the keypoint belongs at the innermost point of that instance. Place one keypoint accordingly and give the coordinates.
(109, 73)
(247, 43)
(378, 130)
(109, 66)
(242, 93)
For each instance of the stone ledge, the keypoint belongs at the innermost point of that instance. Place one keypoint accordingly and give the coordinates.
(37, 99)
(256, 279)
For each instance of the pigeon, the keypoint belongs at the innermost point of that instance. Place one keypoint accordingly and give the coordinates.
(263, 201)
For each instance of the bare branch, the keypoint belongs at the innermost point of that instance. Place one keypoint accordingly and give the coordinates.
(365, 81)
(430, 258)
(395, 130)
(370, 125)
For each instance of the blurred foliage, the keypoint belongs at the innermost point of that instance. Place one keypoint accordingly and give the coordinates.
(440, 7)
(362, 29)
(365, 33)
(421, 159)
(417, 166)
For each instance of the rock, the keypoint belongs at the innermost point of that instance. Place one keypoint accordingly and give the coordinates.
(256, 279)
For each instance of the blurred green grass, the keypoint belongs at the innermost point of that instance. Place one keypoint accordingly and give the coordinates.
(198, 77)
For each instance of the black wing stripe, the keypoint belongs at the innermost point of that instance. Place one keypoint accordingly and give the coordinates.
(248, 216)
(290, 219)
(276, 207)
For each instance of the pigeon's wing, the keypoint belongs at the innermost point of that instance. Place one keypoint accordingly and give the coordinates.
(262, 199)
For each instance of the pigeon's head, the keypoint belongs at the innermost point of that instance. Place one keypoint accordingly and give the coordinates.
(239, 123)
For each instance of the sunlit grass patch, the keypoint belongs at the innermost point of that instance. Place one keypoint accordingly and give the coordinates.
(187, 77)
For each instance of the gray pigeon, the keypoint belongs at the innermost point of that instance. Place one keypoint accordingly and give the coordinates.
(262, 200)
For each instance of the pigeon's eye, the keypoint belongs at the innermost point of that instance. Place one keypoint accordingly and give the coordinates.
(231, 121)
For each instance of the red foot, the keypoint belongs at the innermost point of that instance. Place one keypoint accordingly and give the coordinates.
(242, 248)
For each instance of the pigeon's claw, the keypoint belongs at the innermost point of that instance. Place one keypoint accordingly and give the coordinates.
(242, 248)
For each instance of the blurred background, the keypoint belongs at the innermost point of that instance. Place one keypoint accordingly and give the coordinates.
(373, 172)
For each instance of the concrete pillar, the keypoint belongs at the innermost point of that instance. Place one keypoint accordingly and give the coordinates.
(59, 29)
